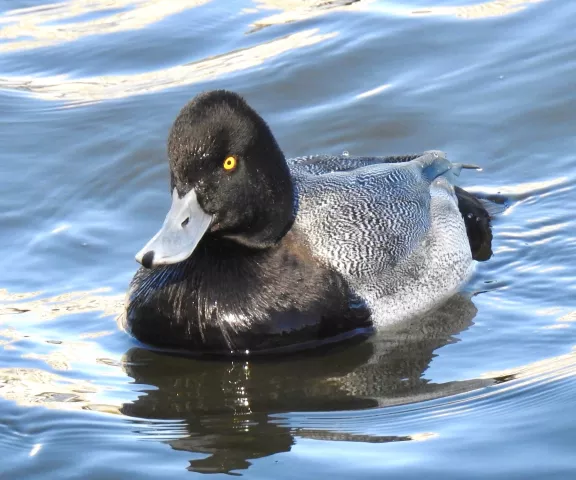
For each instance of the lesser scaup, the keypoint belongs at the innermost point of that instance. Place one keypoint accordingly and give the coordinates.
(259, 254)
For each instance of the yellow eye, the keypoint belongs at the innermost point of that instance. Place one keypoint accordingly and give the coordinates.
(229, 164)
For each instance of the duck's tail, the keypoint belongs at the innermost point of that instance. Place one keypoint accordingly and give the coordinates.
(478, 224)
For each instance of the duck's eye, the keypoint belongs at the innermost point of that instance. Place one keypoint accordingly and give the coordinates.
(229, 164)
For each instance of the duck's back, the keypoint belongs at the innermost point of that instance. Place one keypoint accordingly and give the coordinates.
(392, 229)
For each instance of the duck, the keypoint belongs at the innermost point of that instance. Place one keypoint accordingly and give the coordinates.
(260, 254)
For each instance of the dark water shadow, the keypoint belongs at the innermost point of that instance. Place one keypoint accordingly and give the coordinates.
(228, 407)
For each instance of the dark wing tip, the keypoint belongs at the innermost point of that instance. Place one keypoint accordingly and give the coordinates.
(478, 224)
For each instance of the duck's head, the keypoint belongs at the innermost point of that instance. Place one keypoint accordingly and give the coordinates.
(229, 179)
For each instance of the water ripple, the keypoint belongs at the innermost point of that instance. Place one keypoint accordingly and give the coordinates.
(463, 392)
(47, 25)
(294, 11)
(95, 89)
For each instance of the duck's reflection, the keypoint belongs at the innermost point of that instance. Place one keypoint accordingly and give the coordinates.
(227, 405)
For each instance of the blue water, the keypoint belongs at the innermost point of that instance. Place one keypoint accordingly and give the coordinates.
(483, 388)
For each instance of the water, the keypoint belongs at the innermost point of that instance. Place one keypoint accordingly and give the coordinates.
(88, 90)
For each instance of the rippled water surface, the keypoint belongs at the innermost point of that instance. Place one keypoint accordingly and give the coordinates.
(483, 388)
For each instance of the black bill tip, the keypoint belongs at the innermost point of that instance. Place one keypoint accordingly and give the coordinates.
(147, 259)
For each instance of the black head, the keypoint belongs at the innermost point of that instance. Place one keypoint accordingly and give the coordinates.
(220, 147)
(229, 180)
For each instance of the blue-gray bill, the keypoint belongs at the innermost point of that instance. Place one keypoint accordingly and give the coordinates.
(184, 226)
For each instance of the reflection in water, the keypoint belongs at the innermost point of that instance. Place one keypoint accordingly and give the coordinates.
(46, 25)
(48, 308)
(227, 406)
(505, 84)
(226, 413)
(494, 8)
(32, 387)
(49, 25)
(40, 27)
(93, 89)
(294, 10)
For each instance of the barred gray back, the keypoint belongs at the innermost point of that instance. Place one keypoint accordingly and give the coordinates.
(389, 225)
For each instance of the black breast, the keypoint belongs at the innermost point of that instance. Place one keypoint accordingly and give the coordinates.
(227, 299)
